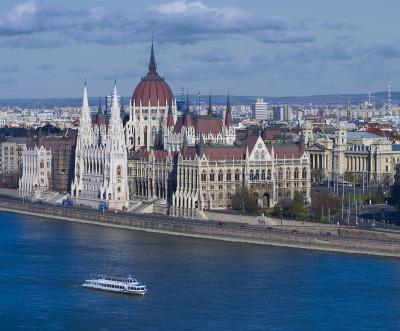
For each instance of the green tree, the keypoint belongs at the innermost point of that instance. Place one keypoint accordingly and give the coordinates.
(349, 177)
(378, 196)
(244, 200)
(295, 208)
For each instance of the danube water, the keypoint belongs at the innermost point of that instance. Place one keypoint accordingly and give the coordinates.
(193, 284)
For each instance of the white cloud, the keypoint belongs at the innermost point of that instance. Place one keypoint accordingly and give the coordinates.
(177, 21)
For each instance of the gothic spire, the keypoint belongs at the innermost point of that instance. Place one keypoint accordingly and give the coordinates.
(100, 110)
(209, 112)
(228, 114)
(152, 63)
(85, 102)
(187, 119)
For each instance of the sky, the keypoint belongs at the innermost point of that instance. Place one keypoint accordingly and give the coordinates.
(48, 48)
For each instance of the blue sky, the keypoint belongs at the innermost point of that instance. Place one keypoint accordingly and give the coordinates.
(274, 48)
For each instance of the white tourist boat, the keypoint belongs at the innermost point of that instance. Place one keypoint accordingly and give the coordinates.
(115, 284)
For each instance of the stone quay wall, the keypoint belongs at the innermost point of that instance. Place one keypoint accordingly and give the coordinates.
(388, 246)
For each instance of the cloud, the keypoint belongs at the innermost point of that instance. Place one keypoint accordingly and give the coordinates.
(46, 67)
(215, 55)
(388, 51)
(178, 21)
(79, 70)
(7, 81)
(31, 42)
(8, 69)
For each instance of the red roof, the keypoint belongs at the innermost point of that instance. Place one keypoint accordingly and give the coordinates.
(202, 124)
(287, 151)
(215, 153)
(153, 89)
(143, 154)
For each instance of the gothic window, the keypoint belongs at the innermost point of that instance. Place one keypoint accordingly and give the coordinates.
(41, 164)
(257, 175)
(269, 174)
(304, 173)
(203, 176)
(220, 176)
(153, 134)
(288, 174)
(280, 173)
(237, 175)
(212, 176)
(251, 175)
(119, 170)
(145, 136)
(229, 176)
(263, 175)
(296, 173)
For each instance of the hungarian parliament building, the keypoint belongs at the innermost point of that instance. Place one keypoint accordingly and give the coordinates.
(150, 157)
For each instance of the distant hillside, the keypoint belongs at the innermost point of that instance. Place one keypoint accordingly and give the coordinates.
(378, 97)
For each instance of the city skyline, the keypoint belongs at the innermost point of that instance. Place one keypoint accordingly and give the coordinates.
(257, 49)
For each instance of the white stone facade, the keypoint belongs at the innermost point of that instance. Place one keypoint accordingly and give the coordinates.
(36, 173)
(101, 160)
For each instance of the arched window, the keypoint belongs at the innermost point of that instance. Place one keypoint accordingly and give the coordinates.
(229, 176)
(119, 170)
(257, 176)
(280, 173)
(269, 176)
(203, 176)
(153, 135)
(296, 173)
(212, 176)
(251, 175)
(263, 175)
(237, 175)
(304, 173)
(288, 174)
(220, 176)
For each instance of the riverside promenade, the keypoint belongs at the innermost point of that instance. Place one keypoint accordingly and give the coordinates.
(338, 239)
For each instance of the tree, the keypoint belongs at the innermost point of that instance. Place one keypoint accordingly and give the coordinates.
(291, 208)
(244, 200)
(395, 190)
(378, 196)
(322, 201)
(348, 177)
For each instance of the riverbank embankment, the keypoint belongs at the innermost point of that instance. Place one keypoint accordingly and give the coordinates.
(345, 240)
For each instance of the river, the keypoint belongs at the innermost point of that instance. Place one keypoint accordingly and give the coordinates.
(193, 284)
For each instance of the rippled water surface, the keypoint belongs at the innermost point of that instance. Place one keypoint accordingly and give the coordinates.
(193, 284)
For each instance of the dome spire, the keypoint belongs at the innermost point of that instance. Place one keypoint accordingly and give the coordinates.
(152, 63)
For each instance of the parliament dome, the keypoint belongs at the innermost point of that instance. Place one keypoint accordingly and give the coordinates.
(152, 89)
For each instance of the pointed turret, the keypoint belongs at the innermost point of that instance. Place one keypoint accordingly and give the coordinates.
(209, 112)
(228, 114)
(187, 120)
(100, 119)
(170, 118)
(85, 119)
(122, 108)
(200, 147)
